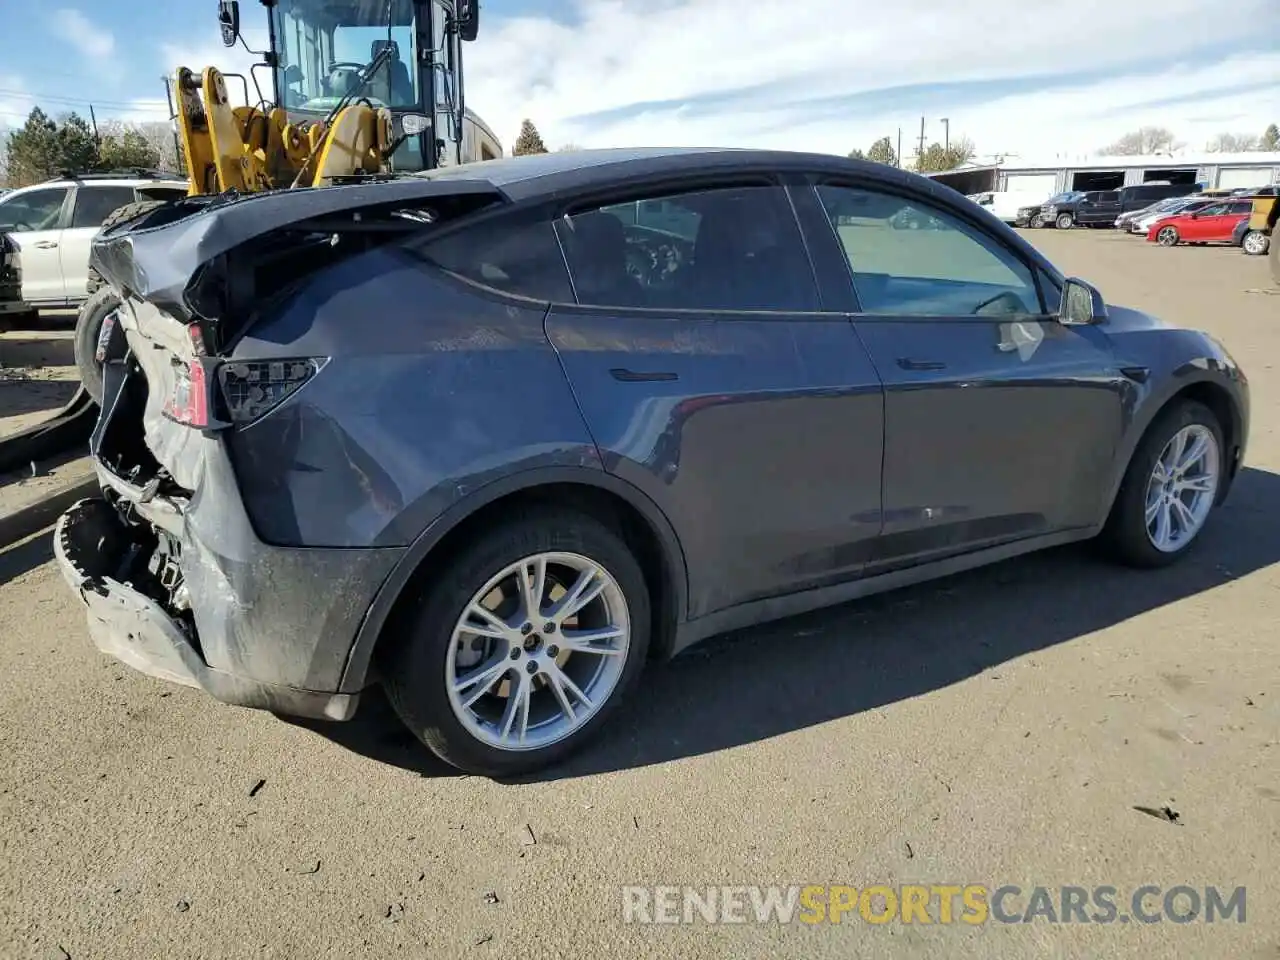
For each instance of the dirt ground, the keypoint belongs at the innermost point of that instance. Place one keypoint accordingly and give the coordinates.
(1000, 727)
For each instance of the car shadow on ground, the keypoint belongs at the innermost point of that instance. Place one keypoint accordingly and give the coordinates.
(786, 676)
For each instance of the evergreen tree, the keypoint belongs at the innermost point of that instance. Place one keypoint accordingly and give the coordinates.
(529, 140)
(33, 153)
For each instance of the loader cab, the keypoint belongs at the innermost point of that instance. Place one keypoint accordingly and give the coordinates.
(322, 48)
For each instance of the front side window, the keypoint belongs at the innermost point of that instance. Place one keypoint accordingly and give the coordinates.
(37, 210)
(913, 259)
(95, 204)
(728, 248)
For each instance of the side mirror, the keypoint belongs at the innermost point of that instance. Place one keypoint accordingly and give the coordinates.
(1081, 303)
(468, 19)
(229, 21)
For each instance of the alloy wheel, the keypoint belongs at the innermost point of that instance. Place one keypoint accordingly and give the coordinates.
(1167, 237)
(1255, 243)
(1064, 221)
(1182, 488)
(537, 651)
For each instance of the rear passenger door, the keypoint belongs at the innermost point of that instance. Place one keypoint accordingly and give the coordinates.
(93, 203)
(711, 378)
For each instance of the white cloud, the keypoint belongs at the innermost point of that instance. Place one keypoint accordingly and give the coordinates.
(89, 38)
(763, 66)
(766, 60)
(230, 60)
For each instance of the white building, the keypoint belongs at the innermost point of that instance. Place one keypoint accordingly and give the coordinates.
(1054, 175)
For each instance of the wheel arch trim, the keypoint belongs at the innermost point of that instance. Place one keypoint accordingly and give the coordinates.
(355, 673)
(1209, 372)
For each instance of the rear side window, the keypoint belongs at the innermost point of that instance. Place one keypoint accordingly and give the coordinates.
(520, 259)
(726, 248)
(95, 204)
(162, 193)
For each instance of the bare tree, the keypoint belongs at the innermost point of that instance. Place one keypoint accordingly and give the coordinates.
(1234, 143)
(1141, 142)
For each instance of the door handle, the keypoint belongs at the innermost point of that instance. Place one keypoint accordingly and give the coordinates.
(906, 363)
(640, 376)
(46, 245)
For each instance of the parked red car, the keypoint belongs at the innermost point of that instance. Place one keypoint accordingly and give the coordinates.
(1212, 224)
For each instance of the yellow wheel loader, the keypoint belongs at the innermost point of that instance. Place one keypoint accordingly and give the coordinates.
(358, 88)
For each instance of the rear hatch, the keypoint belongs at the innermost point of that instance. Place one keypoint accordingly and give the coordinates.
(191, 285)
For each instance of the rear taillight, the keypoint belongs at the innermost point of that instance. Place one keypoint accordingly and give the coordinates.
(253, 388)
(104, 337)
(189, 402)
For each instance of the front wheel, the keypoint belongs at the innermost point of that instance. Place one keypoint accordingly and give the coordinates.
(1169, 489)
(1064, 221)
(530, 638)
(1037, 221)
(1255, 243)
(1167, 237)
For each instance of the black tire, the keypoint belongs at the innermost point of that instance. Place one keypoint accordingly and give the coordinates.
(85, 343)
(413, 669)
(1168, 237)
(1064, 221)
(130, 211)
(1125, 535)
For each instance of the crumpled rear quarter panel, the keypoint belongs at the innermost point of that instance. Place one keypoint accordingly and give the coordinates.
(433, 389)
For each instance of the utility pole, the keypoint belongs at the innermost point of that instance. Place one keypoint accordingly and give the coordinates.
(946, 127)
(94, 120)
(897, 160)
(173, 113)
(921, 152)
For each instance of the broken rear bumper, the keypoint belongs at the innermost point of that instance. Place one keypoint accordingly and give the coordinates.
(235, 648)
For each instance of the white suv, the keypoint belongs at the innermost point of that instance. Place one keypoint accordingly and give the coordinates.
(53, 224)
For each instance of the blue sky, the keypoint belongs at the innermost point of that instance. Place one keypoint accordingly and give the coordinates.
(809, 74)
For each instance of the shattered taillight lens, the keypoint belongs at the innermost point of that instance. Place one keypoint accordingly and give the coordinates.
(189, 402)
(253, 388)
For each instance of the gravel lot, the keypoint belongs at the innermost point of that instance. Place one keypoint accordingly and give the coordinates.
(998, 728)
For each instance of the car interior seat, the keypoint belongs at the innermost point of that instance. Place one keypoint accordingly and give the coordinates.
(392, 85)
(597, 247)
(741, 260)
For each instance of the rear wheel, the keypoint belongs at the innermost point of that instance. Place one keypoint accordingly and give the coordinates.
(1255, 243)
(85, 344)
(1037, 221)
(1167, 237)
(528, 641)
(1064, 221)
(1169, 489)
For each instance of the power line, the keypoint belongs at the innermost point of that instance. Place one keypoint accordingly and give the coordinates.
(53, 98)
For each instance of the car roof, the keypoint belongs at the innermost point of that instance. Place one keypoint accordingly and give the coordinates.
(527, 177)
(131, 182)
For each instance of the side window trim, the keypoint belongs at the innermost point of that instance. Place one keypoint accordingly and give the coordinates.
(660, 189)
(852, 183)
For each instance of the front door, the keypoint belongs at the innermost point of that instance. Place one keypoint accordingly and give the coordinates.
(1000, 422)
(1214, 223)
(35, 219)
(711, 379)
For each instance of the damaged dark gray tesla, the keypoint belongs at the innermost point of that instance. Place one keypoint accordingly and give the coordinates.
(493, 436)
